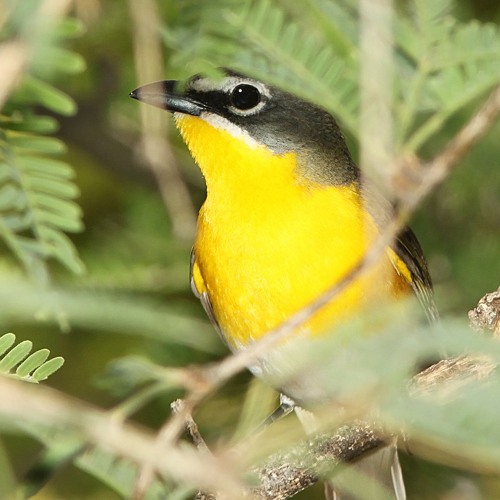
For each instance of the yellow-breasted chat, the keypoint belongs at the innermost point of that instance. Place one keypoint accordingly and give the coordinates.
(287, 212)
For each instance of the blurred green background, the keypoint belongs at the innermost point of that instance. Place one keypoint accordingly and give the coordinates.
(134, 251)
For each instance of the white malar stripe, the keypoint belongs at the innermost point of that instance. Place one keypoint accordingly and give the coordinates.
(222, 123)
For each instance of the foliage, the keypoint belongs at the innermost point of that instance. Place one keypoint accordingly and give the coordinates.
(37, 191)
(32, 367)
(442, 64)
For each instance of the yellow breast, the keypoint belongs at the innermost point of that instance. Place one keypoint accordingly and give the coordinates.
(269, 242)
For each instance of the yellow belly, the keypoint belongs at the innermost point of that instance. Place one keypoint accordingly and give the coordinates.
(269, 243)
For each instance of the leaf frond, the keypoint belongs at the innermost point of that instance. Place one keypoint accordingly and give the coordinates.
(37, 191)
(442, 64)
(19, 362)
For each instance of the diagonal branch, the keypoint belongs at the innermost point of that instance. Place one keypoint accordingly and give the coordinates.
(417, 179)
(287, 473)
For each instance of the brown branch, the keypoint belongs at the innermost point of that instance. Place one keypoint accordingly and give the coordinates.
(486, 315)
(191, 426)
(45, 407)
(287, 473)
(415, 180)
(279, 478)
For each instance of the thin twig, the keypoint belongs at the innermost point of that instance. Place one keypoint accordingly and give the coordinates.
(170, 431)
(286, 474)
(165, 440)
(191, 426)
(45, 407)
(416, 180)
(289, 472)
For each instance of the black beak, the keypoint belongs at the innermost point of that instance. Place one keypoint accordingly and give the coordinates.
(162, 95)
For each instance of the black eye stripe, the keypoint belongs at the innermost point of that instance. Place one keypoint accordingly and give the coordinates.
(245, 96)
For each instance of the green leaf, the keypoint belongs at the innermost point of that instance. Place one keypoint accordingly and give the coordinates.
(57, 244)
(17, 223)
(36, 190)
(30, 123)
(54, 187)
(446, 66)
(119, 474)
(19, 355)
(32, 246)
(11, 198)
(6, 342)
(35, 90)
(37, 144)
(64, 223)
(15, 356)
(37, 196)
(45, 166)
(48, 368)
(69, 27)
(60, 60)
(59, 207)
(32, 362)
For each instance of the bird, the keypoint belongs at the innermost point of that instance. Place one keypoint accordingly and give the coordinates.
(287, 214)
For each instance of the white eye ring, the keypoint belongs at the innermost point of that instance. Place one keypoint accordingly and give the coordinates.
(228, 84)
(245, 97)
(255, 91)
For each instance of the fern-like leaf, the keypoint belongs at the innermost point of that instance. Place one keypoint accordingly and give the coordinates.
(451, 65)
(119, 474)
(37, 192)
(442, 64)
(261, 39)
(17, 361)
(65, 447)
(309, 66)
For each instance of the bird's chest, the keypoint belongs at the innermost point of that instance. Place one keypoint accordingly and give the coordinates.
(262, 258)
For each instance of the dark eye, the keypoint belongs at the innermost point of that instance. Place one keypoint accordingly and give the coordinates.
(245, 96)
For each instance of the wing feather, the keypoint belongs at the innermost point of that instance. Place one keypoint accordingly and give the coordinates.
(201, 293)
(408, 249)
